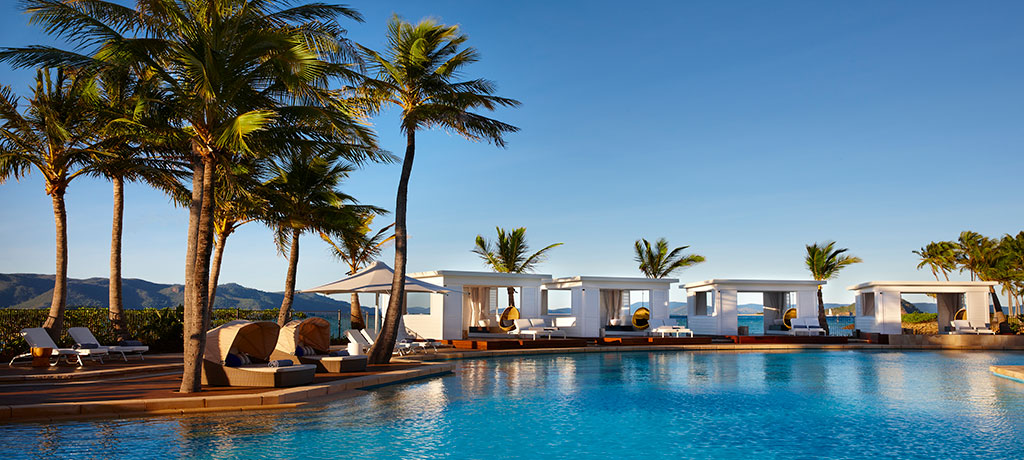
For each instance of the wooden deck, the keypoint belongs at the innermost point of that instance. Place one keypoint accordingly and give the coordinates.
(513, 344)
(633, 341)
(786, 339)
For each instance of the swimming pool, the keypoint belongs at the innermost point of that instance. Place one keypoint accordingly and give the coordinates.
(836, 404)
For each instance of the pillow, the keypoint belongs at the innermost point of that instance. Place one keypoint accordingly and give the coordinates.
(339, 353)
(232, 360)
(300, 351)
(309, 351)
(246, 359)
(130, 343)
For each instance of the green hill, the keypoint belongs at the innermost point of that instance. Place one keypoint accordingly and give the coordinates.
(32, 291)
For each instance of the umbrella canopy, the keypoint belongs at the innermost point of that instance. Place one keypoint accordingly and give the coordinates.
(256, 339)
(375, 279)
(312, 332)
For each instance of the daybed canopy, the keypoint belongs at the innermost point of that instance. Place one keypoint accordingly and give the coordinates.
(314, 332)
(256, 339)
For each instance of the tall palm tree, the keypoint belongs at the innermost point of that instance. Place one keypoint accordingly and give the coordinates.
(825, 262)
(357, 248)
(419, 72)
(55, 135)
(1013, 250)
(979, 255)
(240, 198)
(508, 254)
(132, 129)
(940, 257)
(304, 198)
(658, 262)
(241, 77)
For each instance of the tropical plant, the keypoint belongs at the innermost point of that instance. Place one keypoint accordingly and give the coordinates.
(55, 136)
(507, 254)
(304, 198)
(240, 76)
(940, 257)
(133, 132)
(980, 256)
(357, 248)
(825, 262)
(659, 262)
(418, 73)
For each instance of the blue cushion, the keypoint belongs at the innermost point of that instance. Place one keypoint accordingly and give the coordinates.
(339, 353)
(232, 360)
(87, 346)
(299, 351)
(280, 363)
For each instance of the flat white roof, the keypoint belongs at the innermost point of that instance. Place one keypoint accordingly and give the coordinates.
(754, 284)
(471, 274)
(917, 285)
(618, 282)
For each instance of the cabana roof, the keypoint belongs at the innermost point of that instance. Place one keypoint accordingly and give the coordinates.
(610, 282)
(924, 287)
(753, 285)
(483, 278)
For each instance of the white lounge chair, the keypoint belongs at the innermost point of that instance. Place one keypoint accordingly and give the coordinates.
(983, 329)
(38, 338)
(963, 326)
(363, 342)
(806, 326)
(84, 337)
(668, 327)
(538, 327)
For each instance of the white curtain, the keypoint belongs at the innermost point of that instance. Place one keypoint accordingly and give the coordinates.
(480, 305)
(611, 303)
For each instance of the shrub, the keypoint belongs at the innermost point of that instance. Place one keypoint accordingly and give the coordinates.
(919, 317)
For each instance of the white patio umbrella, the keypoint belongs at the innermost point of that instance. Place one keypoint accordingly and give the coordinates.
(376, 279)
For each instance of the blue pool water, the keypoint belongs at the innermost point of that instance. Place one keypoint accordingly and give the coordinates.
(840, 404)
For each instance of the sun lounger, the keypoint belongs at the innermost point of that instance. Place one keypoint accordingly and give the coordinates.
(38, 338)
(308, 341)
(238, 354)
(982, 329)
(806, 326)
(665, 327)
(84, 337)
(963, 326)
(363, 340)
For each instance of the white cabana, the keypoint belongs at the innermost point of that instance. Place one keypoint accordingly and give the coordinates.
(600, 301)
(711, 304)
(483, 293)
(879, 310)
(376, 279)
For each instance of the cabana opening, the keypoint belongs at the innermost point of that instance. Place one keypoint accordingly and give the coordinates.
(879, 308)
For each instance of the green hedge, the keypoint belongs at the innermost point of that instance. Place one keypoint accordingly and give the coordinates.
(161, 329)
(919, 317)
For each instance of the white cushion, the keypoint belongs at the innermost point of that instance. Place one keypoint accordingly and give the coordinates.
(565, 321)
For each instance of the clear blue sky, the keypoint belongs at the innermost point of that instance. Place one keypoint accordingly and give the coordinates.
(743, 129)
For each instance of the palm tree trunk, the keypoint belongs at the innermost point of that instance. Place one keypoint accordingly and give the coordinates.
(116, 306)
(355, 313)
(289, 281)
(822, 321)
(197, 313)
(54, 323)
(511, 296)
(218, 256)
(382, 349)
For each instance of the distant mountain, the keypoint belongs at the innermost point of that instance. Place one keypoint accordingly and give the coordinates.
(24, 290)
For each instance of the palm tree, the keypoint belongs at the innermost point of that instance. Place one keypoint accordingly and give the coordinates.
(979, 255)
(240, 76)
(940, 257)
(55, 136)
(304, 197)
(508, 254)
(1013, 250)
(825, 262)
(240, 198)
(357, 249)
(658, 262)
(418, 73)
(132, 131)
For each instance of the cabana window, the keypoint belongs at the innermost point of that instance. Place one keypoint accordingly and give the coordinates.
(556, 302)
(417, 303)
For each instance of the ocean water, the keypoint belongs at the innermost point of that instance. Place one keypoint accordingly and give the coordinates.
(786, 405)
(755, 324)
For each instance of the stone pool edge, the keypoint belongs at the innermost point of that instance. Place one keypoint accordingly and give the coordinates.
(274, 399)
(1015, 373)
